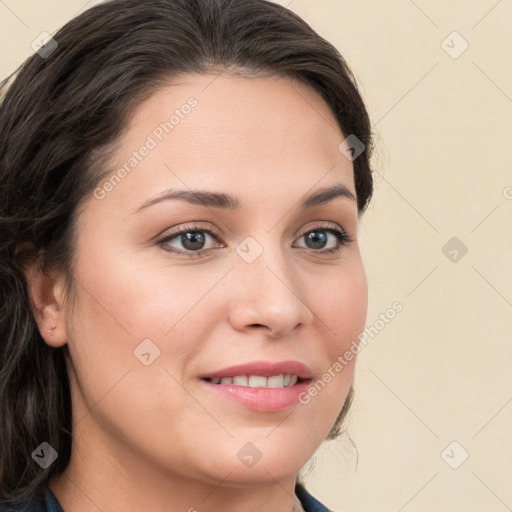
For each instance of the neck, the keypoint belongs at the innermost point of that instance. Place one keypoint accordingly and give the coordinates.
(99, 480)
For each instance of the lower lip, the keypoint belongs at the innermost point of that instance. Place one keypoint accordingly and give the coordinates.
(260, 399)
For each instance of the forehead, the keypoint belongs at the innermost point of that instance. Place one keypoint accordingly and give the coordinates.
(230, 132)
(225, 93)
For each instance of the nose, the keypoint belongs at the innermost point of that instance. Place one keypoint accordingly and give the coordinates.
(268, 296)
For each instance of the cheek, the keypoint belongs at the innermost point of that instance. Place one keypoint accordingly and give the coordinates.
(343, 314)
(122, 302)
(119, 309)
(123, 296)
(343, 309)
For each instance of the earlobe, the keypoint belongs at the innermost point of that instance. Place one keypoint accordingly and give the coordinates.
(44, 288)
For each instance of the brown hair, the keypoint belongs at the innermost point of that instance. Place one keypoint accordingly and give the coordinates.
(60, 113)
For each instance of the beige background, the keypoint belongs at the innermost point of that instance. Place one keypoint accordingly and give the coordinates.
(441, 370)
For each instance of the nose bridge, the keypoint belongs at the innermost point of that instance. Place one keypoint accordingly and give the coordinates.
(262, 263)
(269, 293)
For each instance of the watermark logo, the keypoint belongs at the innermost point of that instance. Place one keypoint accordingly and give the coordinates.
(44, 45)
(454, 45)
(249, 249)
(454, 249)
(45, 455)
(351, 147)
(249, 455)
(454, 455)
(146, 352)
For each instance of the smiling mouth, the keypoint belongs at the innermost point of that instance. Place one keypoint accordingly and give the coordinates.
(257, 381)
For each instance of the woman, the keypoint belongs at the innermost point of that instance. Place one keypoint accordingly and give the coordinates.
(180, 272)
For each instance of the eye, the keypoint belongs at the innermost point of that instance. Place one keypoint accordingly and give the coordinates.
(318, 238)
(193, 238)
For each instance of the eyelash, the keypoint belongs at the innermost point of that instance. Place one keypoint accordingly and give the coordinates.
(342, 238)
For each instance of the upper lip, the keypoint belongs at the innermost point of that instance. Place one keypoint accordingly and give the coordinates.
(263, 368)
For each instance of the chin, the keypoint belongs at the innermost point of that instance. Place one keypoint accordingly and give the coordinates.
(259, 461)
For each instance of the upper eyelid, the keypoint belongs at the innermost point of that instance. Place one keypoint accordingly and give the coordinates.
(325, 225)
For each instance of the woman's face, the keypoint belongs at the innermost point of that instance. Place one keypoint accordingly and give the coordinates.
(158, 312)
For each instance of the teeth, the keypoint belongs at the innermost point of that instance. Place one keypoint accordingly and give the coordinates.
(276, 381)
(240, 380)
(257, 381)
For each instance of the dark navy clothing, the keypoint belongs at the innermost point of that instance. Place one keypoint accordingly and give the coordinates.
(309, 504)
(51, 504)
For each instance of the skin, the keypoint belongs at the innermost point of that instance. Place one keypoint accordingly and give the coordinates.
(151, 437)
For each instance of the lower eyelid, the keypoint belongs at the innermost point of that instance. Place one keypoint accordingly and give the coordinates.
(341, 236)
(173, 236)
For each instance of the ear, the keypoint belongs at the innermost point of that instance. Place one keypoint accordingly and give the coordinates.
(45, 289)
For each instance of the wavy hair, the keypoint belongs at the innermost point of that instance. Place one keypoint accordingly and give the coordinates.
(61, 112)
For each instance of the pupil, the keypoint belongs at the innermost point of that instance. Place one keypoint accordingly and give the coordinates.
(193, 240)
(315, 237)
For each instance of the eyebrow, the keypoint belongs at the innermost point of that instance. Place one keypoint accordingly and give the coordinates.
(222, 200)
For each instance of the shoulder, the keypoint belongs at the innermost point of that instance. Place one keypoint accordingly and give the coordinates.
(39, 507)
(49, 504)
(309, 503)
